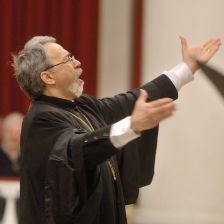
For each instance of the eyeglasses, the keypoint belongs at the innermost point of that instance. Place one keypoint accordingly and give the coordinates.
(70, 58)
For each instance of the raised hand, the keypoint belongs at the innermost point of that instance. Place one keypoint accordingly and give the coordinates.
(202, 52)
(147, 115)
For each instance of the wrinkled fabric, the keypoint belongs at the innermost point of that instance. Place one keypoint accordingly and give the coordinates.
(65, 176)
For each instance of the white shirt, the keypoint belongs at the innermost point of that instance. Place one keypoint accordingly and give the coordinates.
(121, 132)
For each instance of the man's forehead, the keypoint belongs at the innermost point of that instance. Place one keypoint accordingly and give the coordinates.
(54, 50)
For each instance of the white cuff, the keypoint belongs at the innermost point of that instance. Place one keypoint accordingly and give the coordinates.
(121, 133)
(180, 75)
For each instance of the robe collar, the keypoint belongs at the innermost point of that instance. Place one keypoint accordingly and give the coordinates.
(58, 101)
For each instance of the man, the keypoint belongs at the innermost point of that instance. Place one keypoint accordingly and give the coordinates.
(10, 148)
(83, 159)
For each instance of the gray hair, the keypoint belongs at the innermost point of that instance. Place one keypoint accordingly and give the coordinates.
(29, 63)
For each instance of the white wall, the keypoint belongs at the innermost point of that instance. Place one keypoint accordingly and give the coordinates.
(188, 186)
(114, 47)
(189, 178)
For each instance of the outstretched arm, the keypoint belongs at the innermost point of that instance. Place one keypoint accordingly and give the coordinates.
(147, 115)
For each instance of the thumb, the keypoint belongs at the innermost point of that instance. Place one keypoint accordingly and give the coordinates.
(143, 96)
(184, 44)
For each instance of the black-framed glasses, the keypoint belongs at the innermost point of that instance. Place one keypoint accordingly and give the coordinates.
(69, 58)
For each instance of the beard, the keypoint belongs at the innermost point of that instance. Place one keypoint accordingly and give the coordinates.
(77, 88)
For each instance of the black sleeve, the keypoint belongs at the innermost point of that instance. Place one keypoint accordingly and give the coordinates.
(136, 162)
(96, 146)
(70, 201)
(62, 200)
(115, 108)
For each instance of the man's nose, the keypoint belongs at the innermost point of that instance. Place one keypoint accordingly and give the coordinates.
(76, 63)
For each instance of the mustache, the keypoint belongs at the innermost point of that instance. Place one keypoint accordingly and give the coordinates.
(79, 72)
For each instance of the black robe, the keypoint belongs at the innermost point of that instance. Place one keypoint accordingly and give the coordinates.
(65, 175)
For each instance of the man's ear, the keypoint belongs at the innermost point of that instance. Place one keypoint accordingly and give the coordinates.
(47, 77)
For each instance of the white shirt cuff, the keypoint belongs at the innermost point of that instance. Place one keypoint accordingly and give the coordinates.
(180, 75)
(121, 133)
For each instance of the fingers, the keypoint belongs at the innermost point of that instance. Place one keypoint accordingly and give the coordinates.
(158, 105)
(183, 42)
(147, 115)
(161, 111)
(212, 51)
(205, 44)
(211, 45)
(160, 102)
(210, 48)
(143, 96)
(165, 110)
(153, 104)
